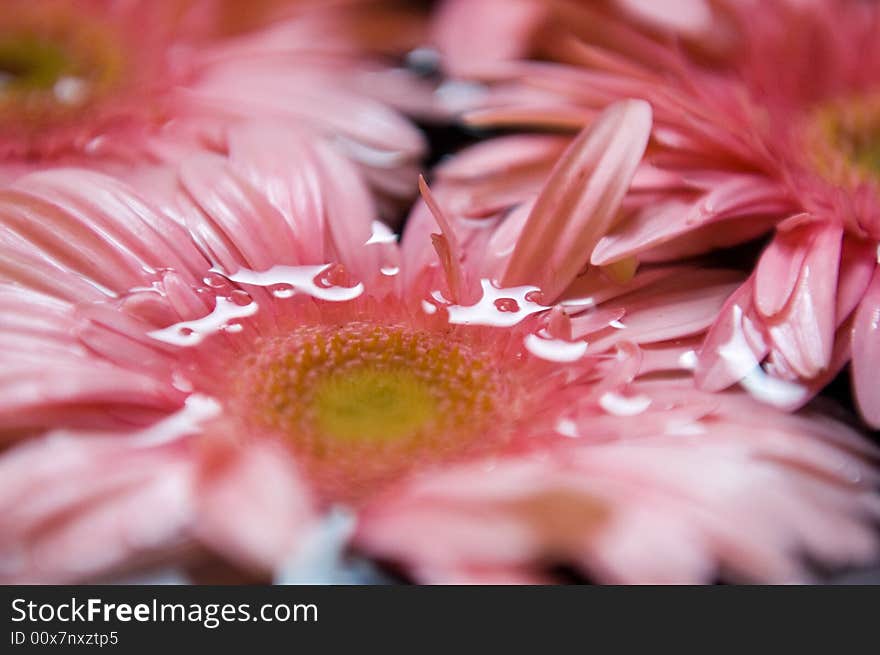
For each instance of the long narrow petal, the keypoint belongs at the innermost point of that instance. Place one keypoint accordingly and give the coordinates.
(739, 200)
(581, 200)
(866, 353)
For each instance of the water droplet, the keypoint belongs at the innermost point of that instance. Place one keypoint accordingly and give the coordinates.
(773, 391)
(507, 305)
(381, 234)
(587, 302)
(283, 291)
(567, 428)
(191, 333)
(367, 154)
(429, 307)
(320, 281)
(328, 277)
(390, 271)
(185, 422)
(555, 350)
(181, 383)
(240, 298)
(615, 403)
(216, 281)
(688, 360)
(71, 90)
(684, 428)
(513, 308)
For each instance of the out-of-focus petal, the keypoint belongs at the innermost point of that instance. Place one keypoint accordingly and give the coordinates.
(75, 507)
(729, 504)
(253, 506)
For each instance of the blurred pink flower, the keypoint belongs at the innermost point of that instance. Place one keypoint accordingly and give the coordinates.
(118, 86)
(215, 374)
(779, 129)
(475, 35)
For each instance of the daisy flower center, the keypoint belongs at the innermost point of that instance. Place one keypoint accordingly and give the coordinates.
(52, 65)
(362, 403)
(27, 62)
(851, 129)
(373, 403)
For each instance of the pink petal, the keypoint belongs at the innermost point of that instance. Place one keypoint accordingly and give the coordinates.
(857, 262)
(230, 208)
(79, 388)
(739, 197)
(253, 506)
(448, 250)
(319, 194)
(29, 268)
(498, 156)
(596, 320)
(101, 229)
(734, 346)
(779, 268)
(248, 88)
(866, 353)
(580, 200)
(744, 498)
(678, 306)
(804, 331)
(689, 17)
(709, 237)
(75, 507)
(468, 32)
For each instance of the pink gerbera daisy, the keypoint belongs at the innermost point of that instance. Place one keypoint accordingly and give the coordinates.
(780, 131)
(217, 379)
(117, 85)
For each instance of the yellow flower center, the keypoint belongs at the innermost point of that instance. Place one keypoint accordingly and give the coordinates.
(28, 62)
(361, 403)
(372, 403)
(53, 66)
(847, 134)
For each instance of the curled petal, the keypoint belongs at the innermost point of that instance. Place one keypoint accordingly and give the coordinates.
(804, 331)
(734, 346)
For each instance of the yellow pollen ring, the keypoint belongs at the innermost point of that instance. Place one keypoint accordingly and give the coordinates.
(851, 129)
(362, 383)
(361, 404)
(372, 404)
(55, 63)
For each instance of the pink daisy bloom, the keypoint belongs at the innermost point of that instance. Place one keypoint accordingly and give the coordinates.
(757, 137)
(119, 85)
(214, 376)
